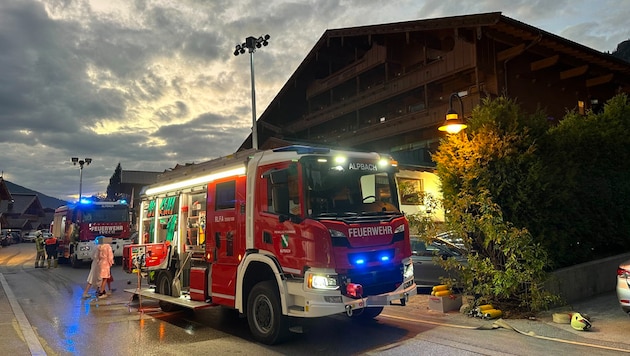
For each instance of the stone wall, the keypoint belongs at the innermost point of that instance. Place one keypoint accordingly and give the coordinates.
(582, 281)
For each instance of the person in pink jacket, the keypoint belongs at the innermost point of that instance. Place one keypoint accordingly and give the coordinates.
(105, 262)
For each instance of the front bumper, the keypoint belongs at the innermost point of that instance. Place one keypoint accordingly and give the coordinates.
(313, 304)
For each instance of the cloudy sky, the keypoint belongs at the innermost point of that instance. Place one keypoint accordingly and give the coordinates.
(149, 84)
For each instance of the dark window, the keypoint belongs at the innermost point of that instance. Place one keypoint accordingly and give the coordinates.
(226, 196)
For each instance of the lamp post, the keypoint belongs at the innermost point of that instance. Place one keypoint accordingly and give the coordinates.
(453, 123)
(251, 43)
(81, 162)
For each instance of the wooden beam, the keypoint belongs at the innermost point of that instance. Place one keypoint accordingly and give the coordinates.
(599, 80)
(545, 63)
(511, 52)
(573, 72)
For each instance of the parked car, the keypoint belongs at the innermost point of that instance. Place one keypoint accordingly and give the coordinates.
(427, 271)
(449, 236)
(14, 235)
(623, 286)
(29, 236)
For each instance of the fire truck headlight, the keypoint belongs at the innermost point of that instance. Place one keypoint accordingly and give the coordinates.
(400, 228)
(84, 248)
(322, 281)
(408, 273)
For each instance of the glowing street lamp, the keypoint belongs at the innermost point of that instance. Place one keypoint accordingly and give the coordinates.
(251, 44)
(81, 162)
(454, 123)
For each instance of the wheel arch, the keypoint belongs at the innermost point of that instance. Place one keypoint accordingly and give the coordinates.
(255, 268)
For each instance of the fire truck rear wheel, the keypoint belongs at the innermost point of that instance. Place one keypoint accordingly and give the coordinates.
(163, 285)
(264, 314)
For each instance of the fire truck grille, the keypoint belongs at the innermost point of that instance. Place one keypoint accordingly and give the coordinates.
(377, 281)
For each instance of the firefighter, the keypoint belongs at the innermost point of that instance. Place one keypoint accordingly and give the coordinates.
(41, 252)
(51, 250)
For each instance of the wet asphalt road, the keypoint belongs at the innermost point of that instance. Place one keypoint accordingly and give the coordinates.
(49, 304)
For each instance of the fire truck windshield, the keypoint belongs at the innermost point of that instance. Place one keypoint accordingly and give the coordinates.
(97, 213)
(349, 187)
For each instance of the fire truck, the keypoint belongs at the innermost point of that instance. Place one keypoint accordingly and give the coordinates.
(279, 235)
(76, 226)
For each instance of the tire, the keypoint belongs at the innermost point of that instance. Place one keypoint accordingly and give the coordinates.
(366, 314)
(164, 285)
(264, 314)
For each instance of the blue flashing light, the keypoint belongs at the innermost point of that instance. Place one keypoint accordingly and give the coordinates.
(384, 258)
(123, 201)
(359, 261)
(85, 201)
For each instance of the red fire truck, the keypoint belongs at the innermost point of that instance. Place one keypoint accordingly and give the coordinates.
(76, 226)
(279, 235)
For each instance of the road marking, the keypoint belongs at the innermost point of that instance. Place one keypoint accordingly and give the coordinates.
(27, 330)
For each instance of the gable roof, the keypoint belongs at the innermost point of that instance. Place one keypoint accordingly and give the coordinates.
(4, 190)
(20, 204)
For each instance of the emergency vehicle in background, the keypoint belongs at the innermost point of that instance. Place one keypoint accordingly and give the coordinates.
(76, 226)
(279, 235)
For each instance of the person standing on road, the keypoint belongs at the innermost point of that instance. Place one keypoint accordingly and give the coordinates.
(94, 277)
(41, 251)
(51, 250)
(105, 262)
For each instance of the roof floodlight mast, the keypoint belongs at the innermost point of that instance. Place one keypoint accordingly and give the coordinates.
(251, 43)
(81, 163)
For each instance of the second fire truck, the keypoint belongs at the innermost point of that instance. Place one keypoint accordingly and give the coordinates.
(76, 226)
(279, 235)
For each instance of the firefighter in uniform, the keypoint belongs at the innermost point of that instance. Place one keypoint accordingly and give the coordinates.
(41, 252)
(51, 250)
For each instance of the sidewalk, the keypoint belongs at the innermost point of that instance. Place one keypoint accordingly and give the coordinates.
(16, 334)
(610, 325)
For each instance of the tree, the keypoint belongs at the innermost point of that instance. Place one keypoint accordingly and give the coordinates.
(113, 188)
(491, 183)
(623, 51)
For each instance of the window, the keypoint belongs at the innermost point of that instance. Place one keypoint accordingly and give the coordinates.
(225, 196)
(411, 191)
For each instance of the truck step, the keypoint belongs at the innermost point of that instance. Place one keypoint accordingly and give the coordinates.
(183, 300)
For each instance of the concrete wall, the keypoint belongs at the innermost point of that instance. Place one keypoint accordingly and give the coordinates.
(587, 279)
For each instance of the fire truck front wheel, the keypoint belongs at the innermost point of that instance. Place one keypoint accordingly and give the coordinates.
(264, 314)
(366, 314)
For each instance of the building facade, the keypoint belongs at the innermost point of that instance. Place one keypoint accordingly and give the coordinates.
(387, 87)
